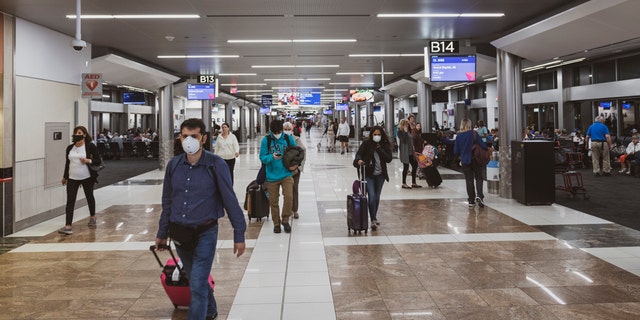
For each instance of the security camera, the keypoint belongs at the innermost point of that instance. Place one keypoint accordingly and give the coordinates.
(78, 44)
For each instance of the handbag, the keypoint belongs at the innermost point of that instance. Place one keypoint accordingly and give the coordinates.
(97, 167)
(480, 156)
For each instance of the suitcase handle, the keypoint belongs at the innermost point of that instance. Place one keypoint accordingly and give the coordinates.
(168, 248)
(363, 180)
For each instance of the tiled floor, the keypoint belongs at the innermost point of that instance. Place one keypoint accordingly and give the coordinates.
(431, 258)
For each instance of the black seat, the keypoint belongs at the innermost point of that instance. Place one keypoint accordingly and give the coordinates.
(102, 150)
(127, 149)
(155, 149)
(140, 149)
(114, 149)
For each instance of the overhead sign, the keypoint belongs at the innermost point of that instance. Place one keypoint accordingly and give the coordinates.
(203, 78)
(91, 85)
(444, 46)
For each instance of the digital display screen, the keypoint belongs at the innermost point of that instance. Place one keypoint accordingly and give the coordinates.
(201, 91)
(328, 111)
(453, 68)
(342, 106)
(299, 97)
(133, 98)
(265, 109)
(365, 95)
(626, 105)
(605, 105)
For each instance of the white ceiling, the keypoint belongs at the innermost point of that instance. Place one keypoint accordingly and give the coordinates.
(142, 40)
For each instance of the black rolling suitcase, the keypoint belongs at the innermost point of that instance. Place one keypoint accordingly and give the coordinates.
(432, 175)
(357, 206)
(256, 201)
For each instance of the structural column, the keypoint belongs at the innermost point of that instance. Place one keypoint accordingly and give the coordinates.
(424, 106)
(228, 115)
(242, 125)
(165, 114)
(206, 118)
(509, 113)
(253, 113)
(369, 116)
(389, 110)
(357, 122)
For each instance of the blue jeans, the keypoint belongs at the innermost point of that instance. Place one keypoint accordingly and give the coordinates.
(374, 188)
(197, 264)
(473, 171)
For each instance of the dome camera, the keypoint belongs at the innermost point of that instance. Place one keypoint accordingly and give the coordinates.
(78, 44)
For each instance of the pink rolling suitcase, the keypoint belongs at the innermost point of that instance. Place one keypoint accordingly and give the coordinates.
(178, 291)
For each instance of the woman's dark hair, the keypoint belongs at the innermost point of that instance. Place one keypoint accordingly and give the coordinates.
(192, 124)
(87, 136)
(225, 124)
(275, 126)
(384, 136)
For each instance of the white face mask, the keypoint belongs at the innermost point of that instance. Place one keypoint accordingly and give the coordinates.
(277, 135)
(288, 132)
(190, 145)
(377, 138)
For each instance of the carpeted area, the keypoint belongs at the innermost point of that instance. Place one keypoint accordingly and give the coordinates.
(118, 170)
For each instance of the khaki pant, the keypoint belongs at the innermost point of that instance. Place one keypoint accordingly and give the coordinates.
(274, 199)
(599, 149)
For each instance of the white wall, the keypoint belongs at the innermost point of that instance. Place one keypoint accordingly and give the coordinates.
(47, 83)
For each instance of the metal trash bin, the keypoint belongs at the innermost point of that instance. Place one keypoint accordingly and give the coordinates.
(493, 173)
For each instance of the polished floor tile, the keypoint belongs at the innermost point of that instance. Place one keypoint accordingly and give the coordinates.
(431, 258)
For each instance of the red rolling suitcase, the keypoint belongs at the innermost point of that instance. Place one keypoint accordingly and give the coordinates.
(357, 206)
(177, 289)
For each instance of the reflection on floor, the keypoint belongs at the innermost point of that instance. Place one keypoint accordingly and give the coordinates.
(431, 258)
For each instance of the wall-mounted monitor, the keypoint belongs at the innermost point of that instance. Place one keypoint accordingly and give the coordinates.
(201, 91)
(327, 112)
(342, 106)
(456, 68)
(132, 97)
(626, 105)
(363, 95)
(265, 109)
(605, 104)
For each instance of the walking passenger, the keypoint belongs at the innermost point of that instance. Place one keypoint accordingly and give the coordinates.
(407, 154)
(343, 135)
(463, 147)
(598, 138)
(197, 191)
(272, 149)
(287, 128)
(227, 148)
(374, 154)
(81, 154)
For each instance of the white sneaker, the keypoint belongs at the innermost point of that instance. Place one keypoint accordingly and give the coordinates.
(480, 202)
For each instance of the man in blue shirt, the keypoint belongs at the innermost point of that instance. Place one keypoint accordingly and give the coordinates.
(196, 192)
(600, 141)
(272, 148)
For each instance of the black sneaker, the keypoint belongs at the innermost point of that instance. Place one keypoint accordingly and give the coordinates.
(607, 174)
(213, 317)
(480, 202)
(277, 229)
(287, 227)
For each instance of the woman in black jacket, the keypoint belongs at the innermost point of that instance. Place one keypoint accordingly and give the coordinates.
(81, 154)
(374, 153)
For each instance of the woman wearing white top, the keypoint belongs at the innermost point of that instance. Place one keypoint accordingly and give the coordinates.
(227, 147)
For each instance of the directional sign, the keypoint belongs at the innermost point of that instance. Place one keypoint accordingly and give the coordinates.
(91, 85)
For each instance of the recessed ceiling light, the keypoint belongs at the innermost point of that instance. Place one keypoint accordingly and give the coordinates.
(214, 56)
(289, 87)
(242, 84)
(299, 66)
(237, 74)
(440, 15)
(135, 16)
(357, 73)
(288, 40)
(351, 83)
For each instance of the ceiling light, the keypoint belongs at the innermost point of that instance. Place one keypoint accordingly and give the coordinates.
(288, 40)
(135, 16)
(540, 66)
(318, 79)
(299, 66)
(567, 62)
(264, 90)
(242, 84)
(214, 56)
(362, 55)
(490, 79)
(237, 74)
(292, 79)
(440, 15)
(357, 73)
(351, 83)
(531, 85)
(297, 87)
(299, 79)
(336, 90)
